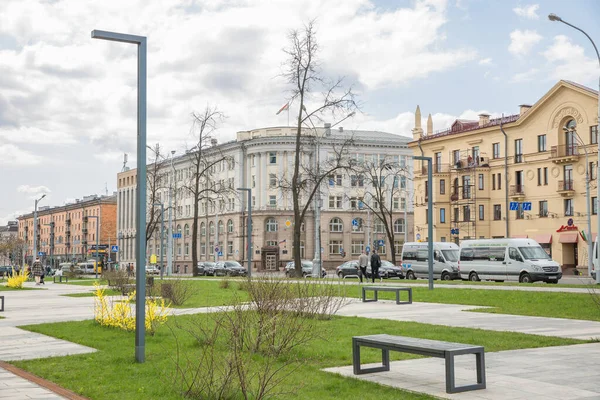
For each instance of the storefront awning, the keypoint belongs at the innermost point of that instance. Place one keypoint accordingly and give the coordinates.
(544, 239)
(518, 236)
(570, 237)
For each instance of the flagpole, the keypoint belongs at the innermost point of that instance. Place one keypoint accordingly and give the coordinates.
(288, 110)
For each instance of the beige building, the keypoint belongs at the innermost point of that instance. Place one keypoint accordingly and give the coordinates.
(546, 167)
(261, 159)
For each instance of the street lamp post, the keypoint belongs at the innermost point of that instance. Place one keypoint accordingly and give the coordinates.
(429, 217)
(162, 235)
(554, 17)
(97, 240)
(140, 239)
(170, 225)
(34, 255)
(249, 229)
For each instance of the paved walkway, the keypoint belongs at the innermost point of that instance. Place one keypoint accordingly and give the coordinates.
(567, 372)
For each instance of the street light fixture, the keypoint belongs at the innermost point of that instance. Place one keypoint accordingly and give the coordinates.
(35, 252)
(554, 17)
(248, 229)
(140, 238)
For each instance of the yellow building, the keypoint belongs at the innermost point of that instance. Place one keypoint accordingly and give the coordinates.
(478, 171)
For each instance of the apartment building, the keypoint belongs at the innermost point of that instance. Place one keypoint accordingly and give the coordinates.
(262, 160)
(520, 176)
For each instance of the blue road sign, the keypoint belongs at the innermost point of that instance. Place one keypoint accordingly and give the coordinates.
(514, 205)
(41, 254)
(114, 249)
(418, 236)
(177, 236)
(341, 250)
(368, 249)
(220, 253)
(526, 206)
(380, 242)
(355, 222)
(217, 249)
(454, 231)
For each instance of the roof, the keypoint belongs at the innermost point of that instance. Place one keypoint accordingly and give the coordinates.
(369, 135)
(580, 86)
(462, 125)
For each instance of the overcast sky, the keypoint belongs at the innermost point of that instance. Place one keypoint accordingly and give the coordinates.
(68, 103)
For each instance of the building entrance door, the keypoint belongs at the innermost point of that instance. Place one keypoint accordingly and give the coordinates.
(271, 262)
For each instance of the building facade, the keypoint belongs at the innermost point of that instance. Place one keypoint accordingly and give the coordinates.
(262, 160)
(528, 182)
(8, 233)
(68, 233)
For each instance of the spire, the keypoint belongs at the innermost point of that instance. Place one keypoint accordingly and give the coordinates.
(429, 125)
(417, 130)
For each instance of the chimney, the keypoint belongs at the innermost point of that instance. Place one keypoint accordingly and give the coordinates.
(484, 119)
(341, 129)
(523, 108)
(213, 142)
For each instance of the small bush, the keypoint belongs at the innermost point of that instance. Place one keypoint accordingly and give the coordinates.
(224, 284)
(118, 279)
(177, 291)
(17, 279)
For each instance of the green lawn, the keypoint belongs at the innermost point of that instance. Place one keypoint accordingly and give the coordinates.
(107, 292)
(4, 288)
(111, 373)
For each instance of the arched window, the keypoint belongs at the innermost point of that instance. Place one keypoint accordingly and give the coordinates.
(187, 230)
(379, 226)
(203, 229)
(230, 226)
(336, 225)
(271, 225)
(399, 226)
(178, 228)
(357, 226)
(221, 227)
(211, 228)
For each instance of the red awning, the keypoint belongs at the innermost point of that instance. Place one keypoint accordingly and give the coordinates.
(544, 239)
(518, 236)
(570, 237)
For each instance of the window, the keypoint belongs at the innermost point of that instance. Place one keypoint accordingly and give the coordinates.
(442, 215)
(466, 182)
(493, 181)
(335, 247)
(179, 250)
(399, 225)
(335, 201)
(475, 153)
(357, 180)
(271, 225)
(518, 150)
(455, 157)
(186, 230)
(272, 180)
(178, 228)
(592, 170)
(496, 150)
(594, 134)
(438, 162)
(379, 226)
(456, 214)
(545, 176)
(539, 176)
(568, 207)
(203, 249)
(480, 182)
(221, 227)
(398, 247)
(499, 181)
(541, 143)
(594, 206)
(336, 225)
(253, 159)
(543, 213)
(396, 203)
(357, 246)
(230, 226)
(187, 249)
(211, 228)
(272, 201)
(272, 157)
(356, 202)
(481, 212)
(253, 201)
(442, 186)
(271, 242)
(253, 181)
(335, 180)
(466, 213)
(497, 212)
(426, 190)
(229, 248)
(202, 229)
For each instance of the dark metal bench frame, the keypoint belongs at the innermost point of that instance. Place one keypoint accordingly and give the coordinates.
(61, 277)
(425, 347)
(376, 289)
(1, 303)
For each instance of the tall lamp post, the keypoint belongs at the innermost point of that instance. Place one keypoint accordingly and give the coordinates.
(162, 235)
(554, 17)
(140, 238)
(429, 217)
(248, 229)
(35, 252)
(170, 225)
(97, 240)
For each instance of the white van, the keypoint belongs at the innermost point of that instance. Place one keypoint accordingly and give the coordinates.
(521, 260)
(87, 267)
(415, 256)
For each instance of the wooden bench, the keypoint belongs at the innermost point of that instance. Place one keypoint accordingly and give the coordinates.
(425, 347)
(61, 277)
(376, 289)
(1, 303)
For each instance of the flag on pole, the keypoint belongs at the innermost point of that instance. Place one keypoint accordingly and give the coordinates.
(283, 241)
(285, 107)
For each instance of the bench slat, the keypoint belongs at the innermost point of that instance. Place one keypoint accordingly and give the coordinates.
(415, 343)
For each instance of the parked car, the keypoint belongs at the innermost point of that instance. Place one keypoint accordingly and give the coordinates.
(200, 268)
(387, 270)
(152, 270)
(347, 268)
(6, 270)
(415, 260)
(212, 269)
(233, 268)
(307, 268)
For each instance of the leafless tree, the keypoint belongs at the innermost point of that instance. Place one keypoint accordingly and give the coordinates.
(309, 85)
(11, 249)
(382, 185)
(155, 183)
(202, 184)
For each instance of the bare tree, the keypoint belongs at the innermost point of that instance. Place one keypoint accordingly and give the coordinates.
(155, 181)
(202, 185)
(11, 249)
(384, 185)
(303, 73)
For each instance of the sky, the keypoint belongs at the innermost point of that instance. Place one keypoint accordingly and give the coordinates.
(68, 102)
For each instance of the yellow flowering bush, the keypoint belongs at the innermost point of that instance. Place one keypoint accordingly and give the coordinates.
(17, 279)
(121, 315)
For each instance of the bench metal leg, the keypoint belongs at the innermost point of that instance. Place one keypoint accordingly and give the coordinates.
(364, 295)
(1, 303)
(385, 360)
(451, 378)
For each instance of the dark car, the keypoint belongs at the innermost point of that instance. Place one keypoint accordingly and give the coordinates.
(232, 268)
(211, 269)
(200, 268)
(349, 268)
(387, 270)
(307, 268)
(6, 270)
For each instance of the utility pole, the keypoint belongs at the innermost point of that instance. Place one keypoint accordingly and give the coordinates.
(170, 230)
(35, 252)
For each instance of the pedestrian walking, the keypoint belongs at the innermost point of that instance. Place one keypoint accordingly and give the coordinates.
(363, 261)
(37, 270)
(375, 264)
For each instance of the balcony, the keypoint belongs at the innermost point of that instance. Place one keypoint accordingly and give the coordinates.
(437, 169)
(518, 158)
(84, 242)
(564, 153)
(470, 162)
(566, 188)
(68, 221)
(85, 231)
(517, 192)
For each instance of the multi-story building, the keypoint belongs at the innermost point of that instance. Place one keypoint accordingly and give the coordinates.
(7, 234)
(262, 160)
(535, 160)
(68, 233)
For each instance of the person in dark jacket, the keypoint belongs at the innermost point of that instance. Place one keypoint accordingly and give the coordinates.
(375, 264)
(37, 270)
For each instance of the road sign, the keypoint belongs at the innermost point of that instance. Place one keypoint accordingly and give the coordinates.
(216, 249)
(368, 249)
(114, 249)
(514, 205)
(288, 223)
(341, 250)
(526, 206)
(41, 254)
(418, 236)
(177, 236)
(355, 222)
(153, 259)
(220, 253)
(380, 242)
(454, 231)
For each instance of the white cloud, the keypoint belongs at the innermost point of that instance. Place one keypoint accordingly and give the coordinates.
(13, 156)
(521, 42)
(33, 189)
(485, 61)
(529, 11)
(525, 76)
(568, 61)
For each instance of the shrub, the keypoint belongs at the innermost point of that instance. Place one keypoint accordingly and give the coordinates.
(118, 279)
(17, 279)
(224, 284)
(177, 291)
